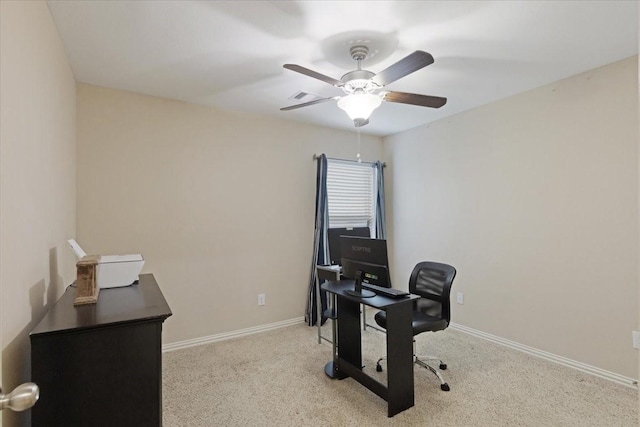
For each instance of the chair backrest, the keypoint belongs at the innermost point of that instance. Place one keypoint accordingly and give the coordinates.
(432, 281)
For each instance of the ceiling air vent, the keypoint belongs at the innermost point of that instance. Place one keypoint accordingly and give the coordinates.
(302, 96)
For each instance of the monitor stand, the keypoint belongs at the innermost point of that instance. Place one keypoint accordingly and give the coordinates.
(358, 291)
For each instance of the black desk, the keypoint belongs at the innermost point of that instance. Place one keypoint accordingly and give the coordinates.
(399, 390)
(101, 364)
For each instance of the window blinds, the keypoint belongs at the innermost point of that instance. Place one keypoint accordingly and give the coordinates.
(350, 193)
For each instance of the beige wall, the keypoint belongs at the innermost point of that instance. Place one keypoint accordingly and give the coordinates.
(534, 199)
(532, 196)
(221, 205)
(37, 180)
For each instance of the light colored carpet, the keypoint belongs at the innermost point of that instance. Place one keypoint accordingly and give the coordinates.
(277, 378)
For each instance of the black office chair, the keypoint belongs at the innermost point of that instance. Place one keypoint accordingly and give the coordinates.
(432, 312)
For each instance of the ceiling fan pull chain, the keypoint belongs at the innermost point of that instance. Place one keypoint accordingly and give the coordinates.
(358, 153)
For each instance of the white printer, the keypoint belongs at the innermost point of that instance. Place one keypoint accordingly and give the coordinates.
(113, 271)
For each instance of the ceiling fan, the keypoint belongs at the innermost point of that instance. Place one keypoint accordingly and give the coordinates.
(363, 89)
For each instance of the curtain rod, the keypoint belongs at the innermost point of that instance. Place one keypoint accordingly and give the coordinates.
(317, 156)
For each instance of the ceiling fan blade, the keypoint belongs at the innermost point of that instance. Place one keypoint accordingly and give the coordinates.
(314, 74)
(407, 65)
(306, 104)
(415, 99)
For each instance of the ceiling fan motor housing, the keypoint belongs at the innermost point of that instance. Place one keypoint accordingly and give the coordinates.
(359, 81)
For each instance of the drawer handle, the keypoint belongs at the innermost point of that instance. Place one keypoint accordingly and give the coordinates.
(22, 397)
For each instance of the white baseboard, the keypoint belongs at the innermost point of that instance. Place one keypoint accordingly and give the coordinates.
(583, 367)
(228, 335)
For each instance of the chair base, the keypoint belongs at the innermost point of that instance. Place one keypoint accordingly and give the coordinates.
(421, 361)
(443, 385)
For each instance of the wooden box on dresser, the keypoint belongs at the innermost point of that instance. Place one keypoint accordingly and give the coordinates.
(101, 364)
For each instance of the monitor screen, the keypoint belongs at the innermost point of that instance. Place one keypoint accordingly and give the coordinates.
(367, 256)
(335, 254)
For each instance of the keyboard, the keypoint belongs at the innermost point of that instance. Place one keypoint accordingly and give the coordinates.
(387, 292)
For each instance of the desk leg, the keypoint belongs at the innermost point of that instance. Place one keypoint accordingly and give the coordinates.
(331, 368)
(399, 359)
(349, 343)
(364, 317)
(318, 309)
(323, 274)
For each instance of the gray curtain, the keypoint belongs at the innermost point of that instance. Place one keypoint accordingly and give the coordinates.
(381, 229)
(320, 243)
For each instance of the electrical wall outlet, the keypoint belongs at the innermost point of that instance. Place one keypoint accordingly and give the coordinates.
(460, 298)
(636, 339)
(262, 299)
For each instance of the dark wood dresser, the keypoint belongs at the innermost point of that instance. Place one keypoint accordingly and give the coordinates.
(101, 364)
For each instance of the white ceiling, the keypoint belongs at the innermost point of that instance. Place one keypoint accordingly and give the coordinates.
(229, 55)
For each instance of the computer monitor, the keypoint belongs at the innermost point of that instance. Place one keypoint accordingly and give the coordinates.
(365, 260)
(335, 254)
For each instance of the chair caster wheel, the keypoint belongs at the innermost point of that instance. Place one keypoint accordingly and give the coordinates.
(378, 368)
(443, 366)
(444, 387)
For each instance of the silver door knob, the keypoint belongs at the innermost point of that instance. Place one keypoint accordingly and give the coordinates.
(22, 397)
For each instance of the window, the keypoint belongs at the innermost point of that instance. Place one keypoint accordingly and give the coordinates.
(351, 194)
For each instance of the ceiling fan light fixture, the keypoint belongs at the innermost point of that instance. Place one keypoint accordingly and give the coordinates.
(359, 106)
